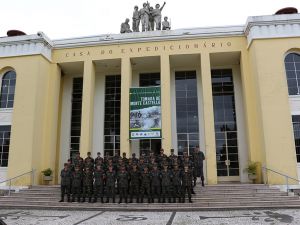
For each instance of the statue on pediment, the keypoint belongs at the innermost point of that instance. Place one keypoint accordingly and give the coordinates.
(125, 27)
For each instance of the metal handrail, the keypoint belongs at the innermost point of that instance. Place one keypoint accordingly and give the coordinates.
(287, 177)
(10, 179)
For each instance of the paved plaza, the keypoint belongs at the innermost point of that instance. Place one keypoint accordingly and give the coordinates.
(245, 217)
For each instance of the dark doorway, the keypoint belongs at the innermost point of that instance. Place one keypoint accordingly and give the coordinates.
(147, 145)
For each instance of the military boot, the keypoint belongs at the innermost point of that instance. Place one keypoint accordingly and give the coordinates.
(120, 201)
(102, 200)
(142, 200)
(107, 200)
(83, 199)
(202, 181)
(137, 200)
(69, 198)
(164, 200)
(114, 200)
(149, 200)
(125, 200)
(190, 200)
(169, 200)
(174, 200)
(158, 199)
(78, 199)
(193, 191)
(90, 200)
(62, 199)
(73, 199)
(95, 200)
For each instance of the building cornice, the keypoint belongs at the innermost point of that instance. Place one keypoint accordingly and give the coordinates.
(151, 36)
(35, 44)
(273, 26)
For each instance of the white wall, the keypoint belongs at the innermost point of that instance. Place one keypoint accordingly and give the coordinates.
(3, 175)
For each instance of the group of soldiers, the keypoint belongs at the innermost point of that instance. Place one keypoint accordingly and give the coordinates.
(152, 176)
(149, 17)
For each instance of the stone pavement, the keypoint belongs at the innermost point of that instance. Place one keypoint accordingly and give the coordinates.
(55, 217)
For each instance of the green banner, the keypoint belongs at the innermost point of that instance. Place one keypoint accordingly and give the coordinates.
(145, 113)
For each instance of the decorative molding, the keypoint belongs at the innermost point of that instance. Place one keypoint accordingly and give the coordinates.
(150, 36)
(36, 44)
(273, 26)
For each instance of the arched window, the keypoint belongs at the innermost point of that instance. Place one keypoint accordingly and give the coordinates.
(7, 93)
(292, 67)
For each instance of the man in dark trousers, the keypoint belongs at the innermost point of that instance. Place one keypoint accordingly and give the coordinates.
(99, 175)
(65, 183)
(198, 157)
(76, 184)
(187, 179)
(134, 183)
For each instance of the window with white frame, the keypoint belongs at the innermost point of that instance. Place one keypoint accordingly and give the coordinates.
(296, 126)
(7, 94)
(292, 67)
(4, 145)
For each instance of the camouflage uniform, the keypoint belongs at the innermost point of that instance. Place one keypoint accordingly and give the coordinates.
(110, 185)
(76, 184)
(155, 184)
(176, 184)
(99, 175)
(134, 184)
(65, 184)
(123, 184)
(145, 185)
(166, 176)
(186, 185)
(87, 184)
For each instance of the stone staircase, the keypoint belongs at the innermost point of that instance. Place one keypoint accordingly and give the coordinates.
(221, 196)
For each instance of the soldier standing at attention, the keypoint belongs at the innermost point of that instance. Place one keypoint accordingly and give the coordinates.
(176, 183)
(161, 157)
(145, 184)
(134, 159)
(76, 184)
(87, 184)
(134, 183)
(187, 178)
(125, 159)
(65, 183)
(166, 176)
(173, 159)
(99, 183)
(155, 183)
(89, 162)
(98, 159)
(110, 184)
(123, 184)
(198, 157)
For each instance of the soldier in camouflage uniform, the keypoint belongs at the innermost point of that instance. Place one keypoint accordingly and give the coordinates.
(188, 162)
(145, 184)
(125, 159)
(155, 183)
(89, 162)
(123, 184)
(187, 180)
(76, 184)
(173, 159)
(134, 159)
(88, 180)
(99, 159)
(65, 184)
(161, 158)
(198, 157)
(134, 183)
(166, 177)
(176, 183)
(99, 175)
(110, 184)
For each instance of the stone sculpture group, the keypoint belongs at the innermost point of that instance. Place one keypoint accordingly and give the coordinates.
(149, 17)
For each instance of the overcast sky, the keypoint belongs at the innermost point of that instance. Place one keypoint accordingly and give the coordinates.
(73, 18)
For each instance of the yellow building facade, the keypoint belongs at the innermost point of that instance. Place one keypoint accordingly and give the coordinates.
(222, 88)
